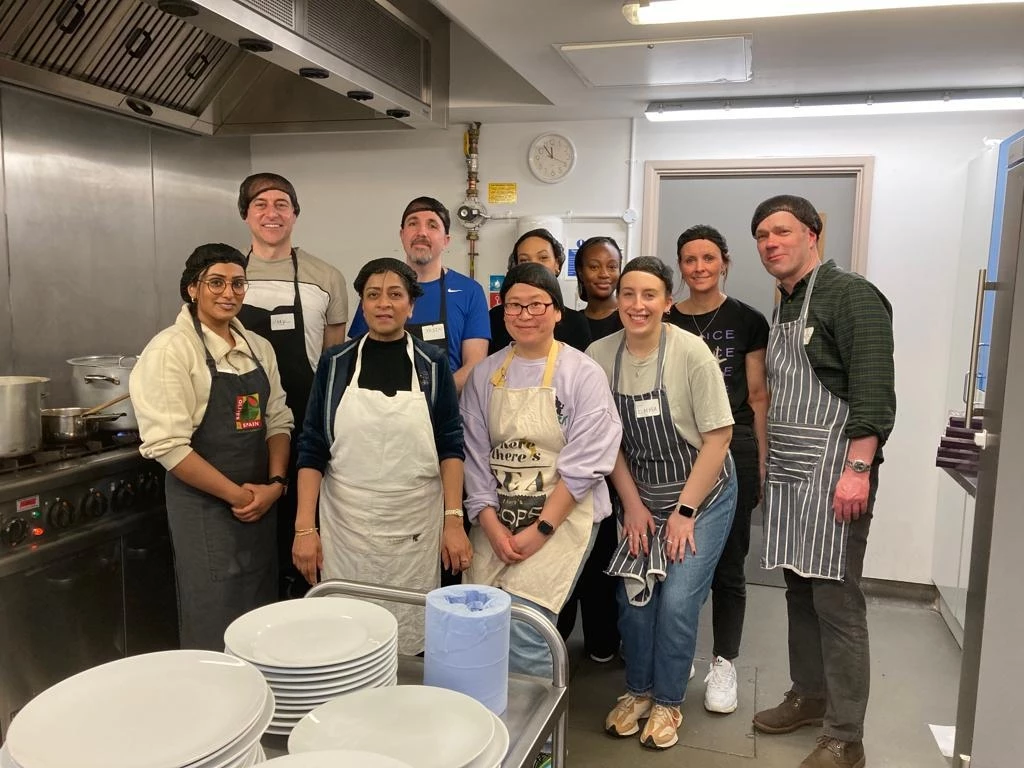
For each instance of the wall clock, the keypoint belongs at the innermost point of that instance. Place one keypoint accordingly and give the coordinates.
(552, 157)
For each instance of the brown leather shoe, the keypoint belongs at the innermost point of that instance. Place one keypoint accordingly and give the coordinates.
(794, 712)
(835, 753)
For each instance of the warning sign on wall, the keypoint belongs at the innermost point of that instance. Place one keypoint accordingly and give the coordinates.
(503, 193)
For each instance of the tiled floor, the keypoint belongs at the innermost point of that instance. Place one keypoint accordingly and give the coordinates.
(915, 671)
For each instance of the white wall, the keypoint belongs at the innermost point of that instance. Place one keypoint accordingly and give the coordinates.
(353, 188)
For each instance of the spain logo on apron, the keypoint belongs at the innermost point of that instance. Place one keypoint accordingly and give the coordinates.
(248, 415)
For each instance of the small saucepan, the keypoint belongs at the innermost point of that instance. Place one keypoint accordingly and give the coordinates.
(70, 426)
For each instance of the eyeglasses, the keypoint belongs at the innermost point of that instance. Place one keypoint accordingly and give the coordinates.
(239, 285)
(535, 308)
(281, 206)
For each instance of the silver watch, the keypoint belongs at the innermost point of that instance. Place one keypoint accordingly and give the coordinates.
(858, 465)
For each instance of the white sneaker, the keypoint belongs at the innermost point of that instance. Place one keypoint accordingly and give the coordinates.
(693, 671)
(721, 692)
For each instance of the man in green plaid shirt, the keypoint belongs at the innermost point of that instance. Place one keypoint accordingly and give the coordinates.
(833, 405)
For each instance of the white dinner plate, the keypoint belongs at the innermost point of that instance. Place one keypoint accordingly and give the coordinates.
(310, 633)
(495, 752)
(150, 711)
(223, 758)
(335, 758)
(424, 726)
(376, 659)
(327, 688)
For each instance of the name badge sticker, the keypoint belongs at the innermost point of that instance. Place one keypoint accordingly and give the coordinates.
(645, 409)
(282, 322)
(808, 332)
(433, 332)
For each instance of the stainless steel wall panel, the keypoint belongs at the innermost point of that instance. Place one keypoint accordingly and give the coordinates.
(6, 327)
(80, 234)
(195, 189)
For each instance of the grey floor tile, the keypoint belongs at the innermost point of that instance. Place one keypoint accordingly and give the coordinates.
(915, 673)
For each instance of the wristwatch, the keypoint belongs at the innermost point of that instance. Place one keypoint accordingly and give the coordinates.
(545, 528)
(282, 481)
(686, 511)
(858, 465)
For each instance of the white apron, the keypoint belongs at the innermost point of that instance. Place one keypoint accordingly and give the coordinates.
(381, 502)
(526, 439)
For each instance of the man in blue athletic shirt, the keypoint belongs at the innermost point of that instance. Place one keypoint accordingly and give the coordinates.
(452, 313)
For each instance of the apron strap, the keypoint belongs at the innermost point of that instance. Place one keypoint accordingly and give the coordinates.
(500, 375)
(807, 296)
(617, 367)
(210, 363)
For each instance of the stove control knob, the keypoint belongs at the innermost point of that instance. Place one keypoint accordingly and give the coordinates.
(123, 497)
(92, 505)
(61, 514)
(149, 487)
(14, 532)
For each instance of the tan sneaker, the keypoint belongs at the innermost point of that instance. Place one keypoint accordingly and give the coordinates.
(660, 731)
(625, 719)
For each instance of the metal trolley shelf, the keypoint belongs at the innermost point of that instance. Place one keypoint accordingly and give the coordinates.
(536, 707)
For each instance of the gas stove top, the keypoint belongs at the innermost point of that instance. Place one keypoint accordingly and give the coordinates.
(56, 494)
(53, 455)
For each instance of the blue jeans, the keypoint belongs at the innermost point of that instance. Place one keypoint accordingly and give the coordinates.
(528, 652)
(659, 638)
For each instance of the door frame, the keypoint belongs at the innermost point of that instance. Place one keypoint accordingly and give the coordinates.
(861, 167)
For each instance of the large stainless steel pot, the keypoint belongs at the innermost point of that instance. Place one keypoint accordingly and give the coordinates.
(68, 426)
(21, 400)
(99, 378)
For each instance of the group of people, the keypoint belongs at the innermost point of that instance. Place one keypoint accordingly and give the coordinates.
(606, 459)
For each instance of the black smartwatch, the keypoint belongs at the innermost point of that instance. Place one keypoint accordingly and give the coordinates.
(545, 528)
(282, 481)
(686, 511)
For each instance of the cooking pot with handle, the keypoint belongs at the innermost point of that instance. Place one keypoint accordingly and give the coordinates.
(21, 401)
(99, 378)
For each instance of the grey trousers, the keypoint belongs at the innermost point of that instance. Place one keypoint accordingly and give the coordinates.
(828, 636)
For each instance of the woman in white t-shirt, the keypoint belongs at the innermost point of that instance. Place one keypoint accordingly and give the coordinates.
(677, 485)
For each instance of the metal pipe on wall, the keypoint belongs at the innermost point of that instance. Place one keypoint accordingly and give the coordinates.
(472, 148)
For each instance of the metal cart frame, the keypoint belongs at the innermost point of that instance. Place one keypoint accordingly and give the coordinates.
(536, 707)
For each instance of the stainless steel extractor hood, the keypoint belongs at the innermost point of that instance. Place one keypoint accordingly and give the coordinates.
(237, 67)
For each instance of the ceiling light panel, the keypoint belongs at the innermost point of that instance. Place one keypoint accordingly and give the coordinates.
(677, 11)
(661, 62)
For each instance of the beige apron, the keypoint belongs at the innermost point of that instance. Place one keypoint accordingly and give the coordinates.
(525, 442)
(381, 502)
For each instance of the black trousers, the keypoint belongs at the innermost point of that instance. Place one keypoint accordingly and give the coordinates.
(595, 595)
(729, 587)
(828, 635)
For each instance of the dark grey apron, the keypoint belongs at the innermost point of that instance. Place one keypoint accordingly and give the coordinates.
(806, 452)
(416, 329)
(297, 380)
(660, 461)
(223, 567)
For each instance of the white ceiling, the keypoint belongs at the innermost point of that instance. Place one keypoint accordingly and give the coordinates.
(928, 48)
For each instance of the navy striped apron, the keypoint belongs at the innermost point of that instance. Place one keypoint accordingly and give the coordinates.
(660, 461)
(806, 453)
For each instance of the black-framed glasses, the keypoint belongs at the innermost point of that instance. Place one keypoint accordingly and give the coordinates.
(239, 285)
(535, 308)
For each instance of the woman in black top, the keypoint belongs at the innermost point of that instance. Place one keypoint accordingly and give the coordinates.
(541, 247)
(598, 261)
(738, 335)
(597, 264)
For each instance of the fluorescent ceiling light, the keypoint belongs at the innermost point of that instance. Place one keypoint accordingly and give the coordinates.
(676, 11)
(824, 105)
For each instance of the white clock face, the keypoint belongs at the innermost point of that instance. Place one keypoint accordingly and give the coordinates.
(552, 157)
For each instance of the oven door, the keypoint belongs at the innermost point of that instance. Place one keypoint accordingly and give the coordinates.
(150, 595)
(58, 619)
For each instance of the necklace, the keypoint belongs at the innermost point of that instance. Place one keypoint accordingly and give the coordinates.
(702, 331)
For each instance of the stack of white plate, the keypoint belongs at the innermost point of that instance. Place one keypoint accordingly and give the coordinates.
(175, 709)
(312, 651)
(416, 724)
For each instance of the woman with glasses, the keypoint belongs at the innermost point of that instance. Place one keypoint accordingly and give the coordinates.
(677, 487)
(211, 409)
(539, 246)
(541, 434)
(382, 447)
